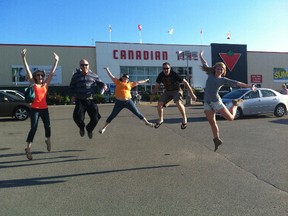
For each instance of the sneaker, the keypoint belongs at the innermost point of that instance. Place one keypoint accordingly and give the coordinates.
(237, 102)
(150, 124)
(82, 132)
(217, 142)
(102, 130)
(48, 144)
(28, 154)
(90, 134)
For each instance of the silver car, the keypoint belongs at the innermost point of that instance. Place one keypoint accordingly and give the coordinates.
(262, 101)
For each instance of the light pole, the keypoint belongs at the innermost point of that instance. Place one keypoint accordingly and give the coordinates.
(188, 55)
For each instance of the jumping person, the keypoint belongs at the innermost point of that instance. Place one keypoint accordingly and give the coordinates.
(171, 81)
(212, 101)
(82, 88)
(123, 98)
(39, 106)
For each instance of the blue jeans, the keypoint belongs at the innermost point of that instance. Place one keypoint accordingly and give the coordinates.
(34, 116)
(119, 105)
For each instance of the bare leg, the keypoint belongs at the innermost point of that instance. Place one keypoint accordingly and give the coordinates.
(210, 115)
(160, 111)
(181, 108)
(228, 114)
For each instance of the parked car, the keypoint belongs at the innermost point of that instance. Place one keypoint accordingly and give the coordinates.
(14, 92)
(13, 106)
(262, 101)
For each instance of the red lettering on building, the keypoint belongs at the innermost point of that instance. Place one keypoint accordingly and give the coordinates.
(115, 56)
(123, 54)
(130, 54)
(140, 55)
(145, 55)
(157, 55)
(165, 55)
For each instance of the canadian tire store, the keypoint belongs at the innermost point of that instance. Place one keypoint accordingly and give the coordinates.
(142, 61)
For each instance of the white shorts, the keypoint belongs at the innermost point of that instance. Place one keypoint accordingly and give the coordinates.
(213, 105)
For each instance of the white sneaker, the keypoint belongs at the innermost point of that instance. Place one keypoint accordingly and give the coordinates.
(102, 130)
(150, 124)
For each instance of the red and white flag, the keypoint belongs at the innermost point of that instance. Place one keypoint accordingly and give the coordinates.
(139, 27)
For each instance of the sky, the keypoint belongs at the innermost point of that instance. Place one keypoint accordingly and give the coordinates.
(262, 25)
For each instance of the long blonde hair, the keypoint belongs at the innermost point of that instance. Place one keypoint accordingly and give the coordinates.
(211, 70)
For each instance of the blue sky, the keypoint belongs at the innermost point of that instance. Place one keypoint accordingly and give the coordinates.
(261, 24)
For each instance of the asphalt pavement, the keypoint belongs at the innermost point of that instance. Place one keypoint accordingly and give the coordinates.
(133, 169)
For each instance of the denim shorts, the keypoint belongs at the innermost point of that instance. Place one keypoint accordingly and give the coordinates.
(217, 105)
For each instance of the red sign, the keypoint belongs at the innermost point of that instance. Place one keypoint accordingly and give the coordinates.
(230, 59)
(256, 78)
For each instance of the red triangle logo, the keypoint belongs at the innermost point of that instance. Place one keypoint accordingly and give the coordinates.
(230, 59)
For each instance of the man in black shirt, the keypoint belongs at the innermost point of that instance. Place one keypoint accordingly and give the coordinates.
(171, 81)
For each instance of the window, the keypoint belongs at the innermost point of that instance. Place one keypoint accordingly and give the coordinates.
(267, 93)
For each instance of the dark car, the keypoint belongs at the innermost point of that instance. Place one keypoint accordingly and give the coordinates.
(13, 106)
(262, 101)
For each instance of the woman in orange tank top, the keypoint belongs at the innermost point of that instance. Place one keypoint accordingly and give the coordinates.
(123, 98)
(39, 106)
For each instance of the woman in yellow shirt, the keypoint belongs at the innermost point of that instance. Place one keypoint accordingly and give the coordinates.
(39, 106)
(123, 98)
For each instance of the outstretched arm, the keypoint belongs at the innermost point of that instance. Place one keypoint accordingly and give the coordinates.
(155, 90)
(203, 61)
(29, 74)
(244, 85)
(50, 75)
(110, 74)
(139, 82)
(189, 89)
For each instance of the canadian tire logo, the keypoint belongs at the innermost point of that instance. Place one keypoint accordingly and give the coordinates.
(230, 59)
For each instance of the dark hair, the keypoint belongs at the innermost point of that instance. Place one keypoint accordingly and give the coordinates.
(124, 75)
(166, 63)
(37, 71)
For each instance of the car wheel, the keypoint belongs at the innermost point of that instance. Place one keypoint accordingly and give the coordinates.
(239, 113)
(280, 110)
(21, 113)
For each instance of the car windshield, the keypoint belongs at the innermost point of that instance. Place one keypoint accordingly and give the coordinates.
(235, 94)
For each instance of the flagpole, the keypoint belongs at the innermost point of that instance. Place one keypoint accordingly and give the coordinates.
(110, 33)
(140, 29)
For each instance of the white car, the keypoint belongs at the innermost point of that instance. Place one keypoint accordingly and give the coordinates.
(262, 101)
(14, 92)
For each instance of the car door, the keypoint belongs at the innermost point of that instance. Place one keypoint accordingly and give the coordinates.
(251, 104)
(268, 101)
(5, 109)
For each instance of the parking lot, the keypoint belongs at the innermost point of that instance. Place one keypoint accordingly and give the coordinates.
(133, 169)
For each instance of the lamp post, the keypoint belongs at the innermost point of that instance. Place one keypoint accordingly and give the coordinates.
(187, 54)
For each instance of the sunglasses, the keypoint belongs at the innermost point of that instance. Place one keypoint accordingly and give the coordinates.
(42, 75)
(82, 65)
(166, 68)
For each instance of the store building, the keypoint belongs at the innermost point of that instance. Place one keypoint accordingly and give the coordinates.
(142, 61)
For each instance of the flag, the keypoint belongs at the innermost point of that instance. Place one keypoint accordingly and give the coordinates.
(228, 36)
(201, 32)
(139, 27)
(110, 28)
(170, 31)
